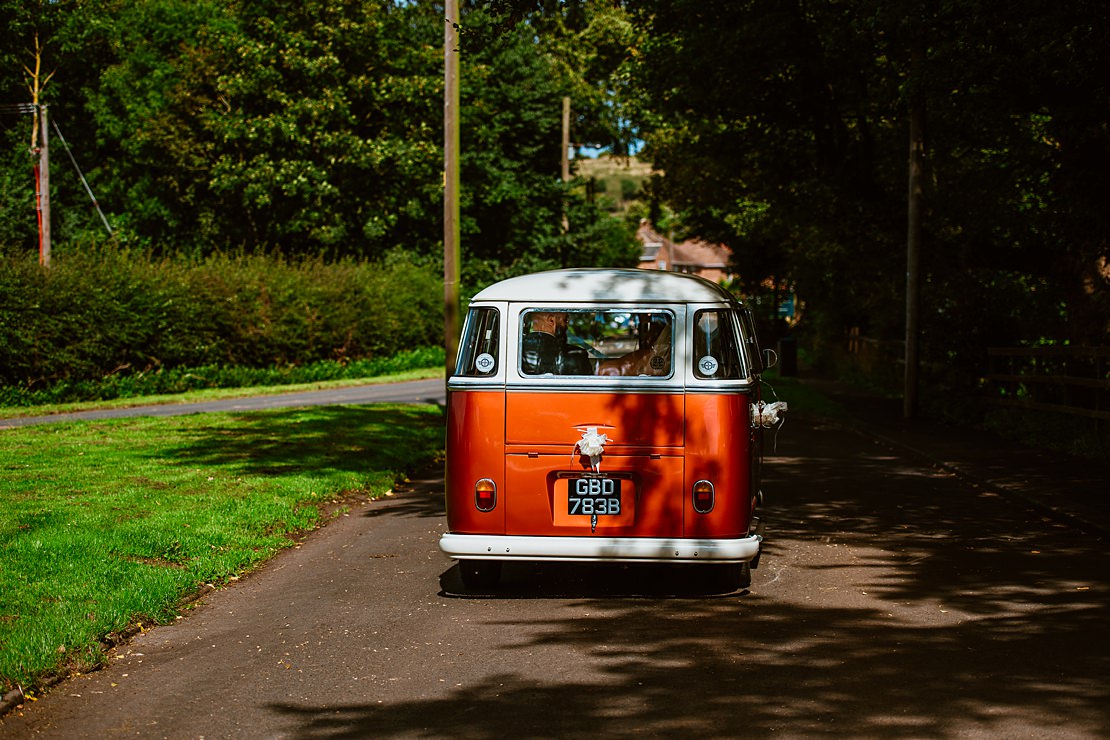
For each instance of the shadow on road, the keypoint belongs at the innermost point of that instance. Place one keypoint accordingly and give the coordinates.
(957, 613)
(808, 672)
(524, 580)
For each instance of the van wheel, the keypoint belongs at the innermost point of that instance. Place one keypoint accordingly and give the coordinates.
(744, 579)
(478, 575)
(728, 577)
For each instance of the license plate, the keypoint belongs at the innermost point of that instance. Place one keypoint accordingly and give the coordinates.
(594, 496)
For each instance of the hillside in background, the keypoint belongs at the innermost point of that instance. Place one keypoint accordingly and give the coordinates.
(615, 182)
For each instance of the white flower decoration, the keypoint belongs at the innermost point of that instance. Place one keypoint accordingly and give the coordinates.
(592, 445)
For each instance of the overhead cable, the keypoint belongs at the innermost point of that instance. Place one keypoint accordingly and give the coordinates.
(81, 175)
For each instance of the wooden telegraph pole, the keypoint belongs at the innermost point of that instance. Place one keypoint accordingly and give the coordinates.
(451, 251)
(41, 154)
(44, 189)
(566, 139)
(566, 159)
(914, 218)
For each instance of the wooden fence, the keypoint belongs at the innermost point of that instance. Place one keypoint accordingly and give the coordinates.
(1064, 380)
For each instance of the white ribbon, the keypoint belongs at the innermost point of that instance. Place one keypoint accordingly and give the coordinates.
(767, 414)
(592, 445)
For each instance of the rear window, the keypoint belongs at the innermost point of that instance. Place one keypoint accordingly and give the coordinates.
(607, 343)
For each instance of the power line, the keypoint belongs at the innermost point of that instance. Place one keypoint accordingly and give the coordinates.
(24, 108)
(82, 176)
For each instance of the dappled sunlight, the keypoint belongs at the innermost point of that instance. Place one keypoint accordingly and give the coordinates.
(717, 668)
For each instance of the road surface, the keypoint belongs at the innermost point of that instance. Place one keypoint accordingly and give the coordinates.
(893, 600)
(414, 391)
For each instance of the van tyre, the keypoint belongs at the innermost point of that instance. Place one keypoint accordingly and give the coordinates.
(744, 575)
(479, 575)
(727, 577)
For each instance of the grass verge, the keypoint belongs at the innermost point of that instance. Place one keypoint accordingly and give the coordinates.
(107, 524)
(179, 380)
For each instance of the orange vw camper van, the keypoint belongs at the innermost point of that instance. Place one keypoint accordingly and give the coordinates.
(605, 415)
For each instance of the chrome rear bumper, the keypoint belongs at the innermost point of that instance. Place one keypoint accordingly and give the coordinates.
(600, 549)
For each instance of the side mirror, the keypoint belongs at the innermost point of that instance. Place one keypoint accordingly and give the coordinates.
(770, 359)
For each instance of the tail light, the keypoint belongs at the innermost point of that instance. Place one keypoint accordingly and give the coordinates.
(703, 497)
(485, 495)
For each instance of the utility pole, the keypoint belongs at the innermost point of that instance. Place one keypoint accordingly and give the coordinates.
(41, 154)
(451, 231)
(566, 159)
(43, 194)
(914, 218)
(566, 139)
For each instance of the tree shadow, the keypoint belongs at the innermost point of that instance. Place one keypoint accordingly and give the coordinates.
(421, 497)
(382, 440)
(974, 616)
(948, 541)
(727, 668)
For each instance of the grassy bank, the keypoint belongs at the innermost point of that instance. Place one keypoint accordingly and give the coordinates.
(107, 524)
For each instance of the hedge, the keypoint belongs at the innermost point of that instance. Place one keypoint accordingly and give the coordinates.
(108, 312)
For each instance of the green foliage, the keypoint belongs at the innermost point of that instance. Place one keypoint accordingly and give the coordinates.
(303, 126)
(110, 312)
(782, 130)
(309, 127)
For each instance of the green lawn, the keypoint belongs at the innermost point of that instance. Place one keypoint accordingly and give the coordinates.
(106, 524)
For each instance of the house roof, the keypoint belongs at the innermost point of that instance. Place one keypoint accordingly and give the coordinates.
(701, 254)
(695, 253)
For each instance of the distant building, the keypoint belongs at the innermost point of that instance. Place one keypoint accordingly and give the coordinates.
(693, 256)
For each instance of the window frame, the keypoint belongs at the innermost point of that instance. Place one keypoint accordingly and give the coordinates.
(671, 324)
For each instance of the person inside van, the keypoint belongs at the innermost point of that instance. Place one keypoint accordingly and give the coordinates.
(544, 349)
(652, 355)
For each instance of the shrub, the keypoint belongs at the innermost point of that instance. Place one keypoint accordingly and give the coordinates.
(111, 312)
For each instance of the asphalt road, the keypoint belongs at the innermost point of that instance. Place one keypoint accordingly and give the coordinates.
(413, 391)
(893, 600)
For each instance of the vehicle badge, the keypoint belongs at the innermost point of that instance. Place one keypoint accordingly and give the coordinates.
(708, 365)
(485, 362)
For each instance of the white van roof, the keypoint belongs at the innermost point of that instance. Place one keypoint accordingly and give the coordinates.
(597, 284)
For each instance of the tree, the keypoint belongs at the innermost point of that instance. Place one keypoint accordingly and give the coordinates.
(514, 80)
(781, 129)
(298, 126)
(314, 127)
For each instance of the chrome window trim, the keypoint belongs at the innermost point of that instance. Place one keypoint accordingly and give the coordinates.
(517, 309)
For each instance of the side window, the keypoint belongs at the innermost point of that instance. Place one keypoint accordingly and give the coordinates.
(717, 350)
(478, 355)
(751, 341)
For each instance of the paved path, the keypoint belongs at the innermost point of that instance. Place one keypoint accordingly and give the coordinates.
(415, 391)
(1063, 488)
